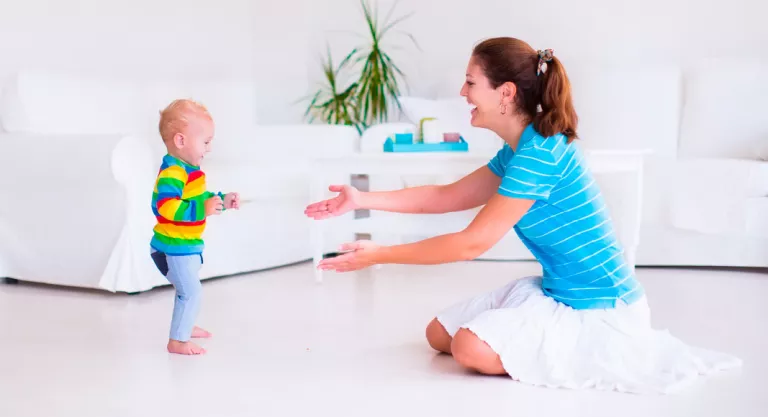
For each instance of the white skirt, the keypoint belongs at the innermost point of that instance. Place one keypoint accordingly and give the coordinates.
(546, 343)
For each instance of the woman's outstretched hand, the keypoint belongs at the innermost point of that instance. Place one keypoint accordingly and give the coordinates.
(361, 255)
(347, 200)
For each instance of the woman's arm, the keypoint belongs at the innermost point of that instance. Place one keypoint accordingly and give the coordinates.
(489, 226)
(469, 192)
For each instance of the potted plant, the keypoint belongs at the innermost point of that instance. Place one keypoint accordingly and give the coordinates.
(376, 89)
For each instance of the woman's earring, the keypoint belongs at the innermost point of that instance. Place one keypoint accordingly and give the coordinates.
(503, 108)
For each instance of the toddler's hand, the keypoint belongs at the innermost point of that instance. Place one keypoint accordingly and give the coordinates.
(232, 201)
(213, 206)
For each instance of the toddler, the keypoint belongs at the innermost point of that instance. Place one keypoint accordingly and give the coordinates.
(181, 204)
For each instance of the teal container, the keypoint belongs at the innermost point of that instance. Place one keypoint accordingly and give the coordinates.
(392, 145)
(403, 138)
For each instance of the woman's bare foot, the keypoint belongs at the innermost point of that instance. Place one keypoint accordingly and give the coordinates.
(184, 348)
(199, 332)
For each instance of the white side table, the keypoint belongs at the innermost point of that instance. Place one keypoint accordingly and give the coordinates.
(449, 163)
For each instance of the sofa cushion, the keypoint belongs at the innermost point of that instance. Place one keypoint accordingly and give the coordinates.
(735, 177)
(231, 102)
(746, 217)
(727, 197)
(725, 113)
(45, 103)
(628, 107)
(51, 103)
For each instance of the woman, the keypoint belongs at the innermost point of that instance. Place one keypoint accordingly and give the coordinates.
(585, 322)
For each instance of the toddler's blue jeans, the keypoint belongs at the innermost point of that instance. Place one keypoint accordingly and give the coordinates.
(184, 273)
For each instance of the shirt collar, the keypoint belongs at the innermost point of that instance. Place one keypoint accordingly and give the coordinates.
(170, 159)
(528, 133)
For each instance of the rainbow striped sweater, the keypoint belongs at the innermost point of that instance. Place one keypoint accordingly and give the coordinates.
(178, 202)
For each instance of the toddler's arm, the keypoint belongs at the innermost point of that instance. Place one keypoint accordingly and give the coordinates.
(172, 207)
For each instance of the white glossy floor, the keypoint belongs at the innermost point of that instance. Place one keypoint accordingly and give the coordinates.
(353, 346)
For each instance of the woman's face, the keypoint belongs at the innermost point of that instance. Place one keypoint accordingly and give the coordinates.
(487, 101)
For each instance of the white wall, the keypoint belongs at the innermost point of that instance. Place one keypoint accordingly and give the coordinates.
(278, 43)
(139, 37)
(581, 32)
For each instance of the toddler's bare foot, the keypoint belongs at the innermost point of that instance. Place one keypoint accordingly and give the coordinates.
(184, 348)
(199, 332)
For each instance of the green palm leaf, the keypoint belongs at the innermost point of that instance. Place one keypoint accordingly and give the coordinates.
(328, 103)
(379, 86)
(369, 99)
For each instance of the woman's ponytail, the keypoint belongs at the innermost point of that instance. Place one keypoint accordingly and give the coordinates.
(557, 114)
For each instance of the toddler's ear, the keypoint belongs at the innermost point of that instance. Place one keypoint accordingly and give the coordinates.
(178, 140)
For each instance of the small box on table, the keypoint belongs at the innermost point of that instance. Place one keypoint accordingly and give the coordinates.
(402, 144)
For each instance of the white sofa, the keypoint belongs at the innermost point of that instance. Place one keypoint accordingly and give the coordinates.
(706, 183)
(79, 159)
(80, 156)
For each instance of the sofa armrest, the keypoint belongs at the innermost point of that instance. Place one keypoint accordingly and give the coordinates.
(76, 169)
(135, 163)
(71, 160)
(68, 207)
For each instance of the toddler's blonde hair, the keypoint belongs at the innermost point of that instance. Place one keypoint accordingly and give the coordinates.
(175, 117)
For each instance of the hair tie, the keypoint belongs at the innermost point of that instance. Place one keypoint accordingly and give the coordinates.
(545, 56)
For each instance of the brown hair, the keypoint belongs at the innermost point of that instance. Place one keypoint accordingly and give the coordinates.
(175, 117)
(512, 60)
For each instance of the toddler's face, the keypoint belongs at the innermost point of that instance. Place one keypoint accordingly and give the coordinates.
(196, 140)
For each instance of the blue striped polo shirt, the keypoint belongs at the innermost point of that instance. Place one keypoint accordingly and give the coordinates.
(568, 229)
